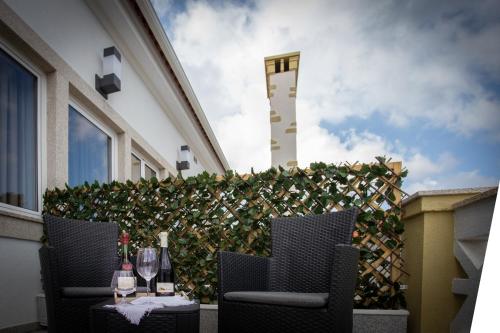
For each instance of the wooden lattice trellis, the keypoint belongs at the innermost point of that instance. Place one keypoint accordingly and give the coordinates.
(208, 213)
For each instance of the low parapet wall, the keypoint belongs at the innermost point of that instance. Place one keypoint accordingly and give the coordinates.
(429, 259)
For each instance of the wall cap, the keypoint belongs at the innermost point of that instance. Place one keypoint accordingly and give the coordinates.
(370, 312)
(459, 191)
(22, 216)
(483, 195)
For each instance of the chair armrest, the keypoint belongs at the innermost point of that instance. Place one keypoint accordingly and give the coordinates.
(343, 283)
(50, 281)
(48, 265)
(241, 272)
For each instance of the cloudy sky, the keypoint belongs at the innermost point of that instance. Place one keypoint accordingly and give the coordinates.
(417, 81)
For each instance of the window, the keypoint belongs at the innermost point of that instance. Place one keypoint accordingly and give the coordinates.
(136, 168)
(89, 151)
(141, 169)
(19, 178)
(148, 172)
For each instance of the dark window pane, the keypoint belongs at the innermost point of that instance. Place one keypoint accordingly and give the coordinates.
(136, 168)
(277, 67)
(18, 134)
(89, 151)
(148, 172)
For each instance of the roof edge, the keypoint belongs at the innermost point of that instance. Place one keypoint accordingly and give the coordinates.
(149, 16)
(483, 195)
(284, 55)
(458, 191)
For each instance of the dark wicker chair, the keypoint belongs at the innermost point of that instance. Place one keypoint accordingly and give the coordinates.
(306, 286)
(77, 268)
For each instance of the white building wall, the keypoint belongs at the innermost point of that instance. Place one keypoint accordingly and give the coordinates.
(194, 169)
(72, 30)
(283, 119)
(472, 223)
(19, 281)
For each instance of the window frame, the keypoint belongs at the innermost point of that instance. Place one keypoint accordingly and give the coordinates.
(144, 162)
(41, 163)
(101, 126)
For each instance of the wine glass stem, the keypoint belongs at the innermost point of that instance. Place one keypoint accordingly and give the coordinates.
(147, 287)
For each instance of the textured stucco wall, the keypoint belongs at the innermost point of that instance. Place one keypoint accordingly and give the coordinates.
(19, 281)
(430, 261)
(283, 120)
(413, 255)
(439, 304)
(473, 219)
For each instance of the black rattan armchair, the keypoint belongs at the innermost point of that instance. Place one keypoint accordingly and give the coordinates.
(77, 268)
(306, 286)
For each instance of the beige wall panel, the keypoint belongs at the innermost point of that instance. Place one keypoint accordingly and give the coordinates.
(124, 157)
(430, 261)
(57, 130)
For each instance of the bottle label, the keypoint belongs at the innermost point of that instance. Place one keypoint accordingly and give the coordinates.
(164, 287)
(125, 282)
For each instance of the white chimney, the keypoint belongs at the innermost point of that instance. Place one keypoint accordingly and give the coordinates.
(281, 78)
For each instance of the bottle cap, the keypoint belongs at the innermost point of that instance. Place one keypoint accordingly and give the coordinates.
(124, 237)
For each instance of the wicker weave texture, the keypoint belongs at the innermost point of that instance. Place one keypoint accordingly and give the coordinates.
(80, 254)
(302, 247)
(329, 265)
(184, 319)
(87, 252)
(255, 269)
(153, 323)
(262, 318)
(342, 286)
(51, 286)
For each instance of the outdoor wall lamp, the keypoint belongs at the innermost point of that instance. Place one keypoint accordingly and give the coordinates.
(111, 72)
(184, 156)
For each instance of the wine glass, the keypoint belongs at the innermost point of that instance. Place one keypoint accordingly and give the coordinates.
(124, 283)
(147, 264)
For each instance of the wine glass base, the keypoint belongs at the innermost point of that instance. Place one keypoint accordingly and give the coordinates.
(123, 301)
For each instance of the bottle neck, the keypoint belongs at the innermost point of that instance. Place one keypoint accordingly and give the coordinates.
(125, 252)
(126, 264)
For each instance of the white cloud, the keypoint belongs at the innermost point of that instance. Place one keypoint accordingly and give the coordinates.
(316, 144)
(403, 62)
(466, 179)
(426, 174)
(421, 166)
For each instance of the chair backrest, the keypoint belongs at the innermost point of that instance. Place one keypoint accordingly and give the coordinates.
(303, 249)
(86, 251)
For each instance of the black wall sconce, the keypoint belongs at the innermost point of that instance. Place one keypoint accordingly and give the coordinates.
(184, 156)
(111, 72)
